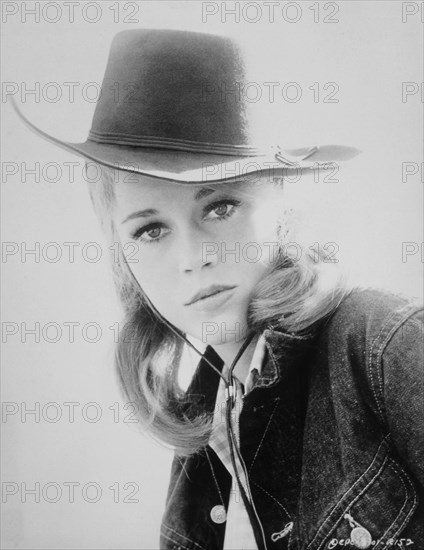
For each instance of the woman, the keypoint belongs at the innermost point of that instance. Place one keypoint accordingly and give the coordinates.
(301, 427)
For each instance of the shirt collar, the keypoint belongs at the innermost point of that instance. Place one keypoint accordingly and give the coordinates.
(258, 355)
(257, 358)
(281, 352)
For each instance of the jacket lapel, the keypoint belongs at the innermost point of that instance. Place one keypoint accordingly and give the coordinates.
(200, 396)
(272, 425)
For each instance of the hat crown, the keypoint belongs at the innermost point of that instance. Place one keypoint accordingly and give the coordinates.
(176, 89)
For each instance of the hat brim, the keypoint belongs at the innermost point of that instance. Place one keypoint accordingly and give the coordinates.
(198, 168)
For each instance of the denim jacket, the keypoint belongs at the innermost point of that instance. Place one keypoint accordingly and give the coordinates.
(333, 426)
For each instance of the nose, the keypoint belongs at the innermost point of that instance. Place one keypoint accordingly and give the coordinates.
(195, 251)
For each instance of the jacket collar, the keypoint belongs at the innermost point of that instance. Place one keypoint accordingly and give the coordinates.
(281, 348)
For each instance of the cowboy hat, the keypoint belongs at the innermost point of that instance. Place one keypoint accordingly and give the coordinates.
(164, 112)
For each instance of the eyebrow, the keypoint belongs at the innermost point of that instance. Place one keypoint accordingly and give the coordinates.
(202, 193)
(141, 214)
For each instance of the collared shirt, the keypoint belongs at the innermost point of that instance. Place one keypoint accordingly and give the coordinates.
(238, 532)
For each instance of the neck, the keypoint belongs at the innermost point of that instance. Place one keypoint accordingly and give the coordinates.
(229, 350)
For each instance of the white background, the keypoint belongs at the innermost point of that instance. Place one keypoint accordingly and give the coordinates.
(369, 213)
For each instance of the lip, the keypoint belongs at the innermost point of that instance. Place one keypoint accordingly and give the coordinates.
(213, 302)
(208, 292)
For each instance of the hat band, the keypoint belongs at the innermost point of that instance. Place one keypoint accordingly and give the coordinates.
(175, 144)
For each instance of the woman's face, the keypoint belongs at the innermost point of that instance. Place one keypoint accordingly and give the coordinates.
(198, 251)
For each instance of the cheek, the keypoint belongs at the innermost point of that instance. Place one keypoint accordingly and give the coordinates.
(150, 268)
(155, 283)
(152, 278)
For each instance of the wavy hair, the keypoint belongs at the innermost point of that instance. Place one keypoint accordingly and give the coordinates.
(297, 293)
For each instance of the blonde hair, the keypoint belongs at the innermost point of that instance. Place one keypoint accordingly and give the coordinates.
(293, 297)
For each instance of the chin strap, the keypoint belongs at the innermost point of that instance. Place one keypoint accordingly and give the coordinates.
(230, 401)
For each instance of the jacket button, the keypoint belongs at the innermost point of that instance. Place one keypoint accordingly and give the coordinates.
(218, 514)
(361, 537)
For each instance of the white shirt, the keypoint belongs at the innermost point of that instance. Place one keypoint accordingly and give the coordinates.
(238, 532)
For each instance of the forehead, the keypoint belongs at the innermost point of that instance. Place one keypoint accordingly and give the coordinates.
(137, 187)
(146, 188)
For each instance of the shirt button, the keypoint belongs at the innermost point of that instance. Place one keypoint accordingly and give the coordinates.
(218, 514)
(361, 537)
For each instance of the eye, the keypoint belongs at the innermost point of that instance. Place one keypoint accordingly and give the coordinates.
(150, 233)
(221, 210)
